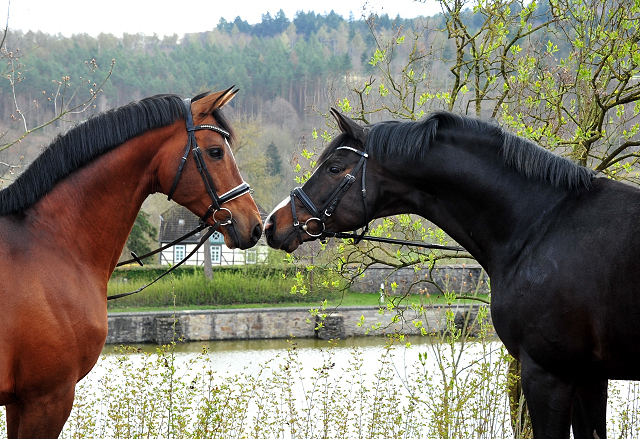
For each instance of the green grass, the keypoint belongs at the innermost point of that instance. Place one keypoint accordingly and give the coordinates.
(258, 286)
(349, 298)
(190, 289)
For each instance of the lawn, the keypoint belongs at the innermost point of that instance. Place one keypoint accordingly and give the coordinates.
(348, 299)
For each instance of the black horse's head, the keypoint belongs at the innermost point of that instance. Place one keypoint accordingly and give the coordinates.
(336, 197)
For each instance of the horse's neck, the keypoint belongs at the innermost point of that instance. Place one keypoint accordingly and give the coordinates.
(90, 213)
(484, 206)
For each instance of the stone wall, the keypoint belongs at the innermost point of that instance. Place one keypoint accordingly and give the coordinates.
(264, 323)
(458, 278)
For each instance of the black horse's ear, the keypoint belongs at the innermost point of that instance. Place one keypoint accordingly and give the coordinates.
(349, 126)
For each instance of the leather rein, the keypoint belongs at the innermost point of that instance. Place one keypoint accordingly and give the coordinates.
(216, 200)
(320, 215)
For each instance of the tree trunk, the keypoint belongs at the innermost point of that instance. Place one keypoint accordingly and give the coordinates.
(520, 419)
(208, 269)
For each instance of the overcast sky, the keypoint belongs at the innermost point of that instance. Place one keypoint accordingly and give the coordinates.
(165, 17)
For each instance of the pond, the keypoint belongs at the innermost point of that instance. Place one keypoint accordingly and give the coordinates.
(231, 356)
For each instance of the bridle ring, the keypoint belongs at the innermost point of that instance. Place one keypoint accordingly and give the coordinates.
(305, 227)
(230, 216)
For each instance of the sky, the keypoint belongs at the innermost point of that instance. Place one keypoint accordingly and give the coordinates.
(163, 17)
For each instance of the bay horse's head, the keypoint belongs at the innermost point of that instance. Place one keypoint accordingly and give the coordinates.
(334, 198)
(197, 169)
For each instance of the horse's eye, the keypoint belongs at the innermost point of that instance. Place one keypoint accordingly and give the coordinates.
(215, 153)
(335, 169)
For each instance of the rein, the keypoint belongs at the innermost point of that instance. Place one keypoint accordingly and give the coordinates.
(392, 241)
(216, 200)
(203, 239)
(320, 215)
(138, 259)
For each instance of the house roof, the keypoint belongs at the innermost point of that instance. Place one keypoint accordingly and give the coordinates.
(178, 221)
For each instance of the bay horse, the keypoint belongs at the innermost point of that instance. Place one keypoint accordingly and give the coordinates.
(64, 223)
(561, 245)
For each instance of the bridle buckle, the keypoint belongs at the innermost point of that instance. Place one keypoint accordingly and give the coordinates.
(305, 227)
(226, 223)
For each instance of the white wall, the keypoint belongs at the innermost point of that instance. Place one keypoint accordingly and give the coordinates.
(227, 256)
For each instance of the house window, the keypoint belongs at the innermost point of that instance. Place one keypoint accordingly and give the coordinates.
(216, 238)
(251, 256)
(178, 253)
(216, 250)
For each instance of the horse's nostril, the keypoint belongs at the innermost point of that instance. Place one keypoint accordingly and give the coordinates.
(257, 233)
(269, 227)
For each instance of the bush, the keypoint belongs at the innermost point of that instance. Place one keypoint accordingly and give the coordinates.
(187, 286)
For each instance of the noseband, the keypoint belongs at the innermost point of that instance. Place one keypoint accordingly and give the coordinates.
(320, 215)
(192, 145)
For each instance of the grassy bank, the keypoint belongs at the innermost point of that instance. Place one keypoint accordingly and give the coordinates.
(235, 287)
(346, 299)
(187, 287)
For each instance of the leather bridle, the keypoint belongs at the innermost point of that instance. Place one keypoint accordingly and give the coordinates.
(192, 145)
(320, 215)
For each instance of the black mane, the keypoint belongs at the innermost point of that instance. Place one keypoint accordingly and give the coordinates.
(87, 141)
(410, 141)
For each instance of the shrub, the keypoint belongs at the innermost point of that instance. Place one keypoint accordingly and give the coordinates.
(187, 286)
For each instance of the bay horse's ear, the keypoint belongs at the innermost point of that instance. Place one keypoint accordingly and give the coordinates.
(207, 104)
(349, 126)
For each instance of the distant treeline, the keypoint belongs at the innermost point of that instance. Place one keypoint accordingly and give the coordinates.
(277, 57)
(292, 59)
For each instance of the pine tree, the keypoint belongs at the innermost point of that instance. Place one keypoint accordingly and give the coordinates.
(273, 160)
(141, 233)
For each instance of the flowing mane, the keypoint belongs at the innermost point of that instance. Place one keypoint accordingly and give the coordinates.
(87, 141)
(411, 140)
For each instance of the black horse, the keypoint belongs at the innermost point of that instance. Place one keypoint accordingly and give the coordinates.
(560, 245)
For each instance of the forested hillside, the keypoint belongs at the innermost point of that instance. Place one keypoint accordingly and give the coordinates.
(278, 57)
